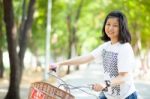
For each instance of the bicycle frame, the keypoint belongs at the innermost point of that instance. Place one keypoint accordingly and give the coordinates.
(44, 90)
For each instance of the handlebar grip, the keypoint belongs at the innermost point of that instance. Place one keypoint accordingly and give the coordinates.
(53, 69)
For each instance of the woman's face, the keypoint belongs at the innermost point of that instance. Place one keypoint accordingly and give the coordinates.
(112, 28)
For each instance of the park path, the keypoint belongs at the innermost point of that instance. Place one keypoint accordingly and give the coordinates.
(89, 75)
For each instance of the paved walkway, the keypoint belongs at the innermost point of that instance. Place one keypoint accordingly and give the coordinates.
(91, 74)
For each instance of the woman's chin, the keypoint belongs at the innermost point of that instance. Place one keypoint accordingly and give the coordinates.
(110, 36)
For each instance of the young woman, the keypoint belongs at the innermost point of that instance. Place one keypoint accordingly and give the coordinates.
(117, 57)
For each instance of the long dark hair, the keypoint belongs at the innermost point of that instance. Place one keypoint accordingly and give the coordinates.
(124, 34)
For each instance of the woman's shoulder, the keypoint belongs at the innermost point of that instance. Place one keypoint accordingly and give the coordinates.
(126, 46)
(104, 44)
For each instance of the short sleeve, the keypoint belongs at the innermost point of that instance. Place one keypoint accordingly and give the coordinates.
(126, 60)
(97, 53)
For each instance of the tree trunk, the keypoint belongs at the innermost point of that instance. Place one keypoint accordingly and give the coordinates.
(1, 42)
(1, 64)
(14, 60)
(72, 29)
(24, 33)
(75, 38)
(70, 39)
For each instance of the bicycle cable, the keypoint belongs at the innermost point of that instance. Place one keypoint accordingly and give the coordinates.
(69, 87)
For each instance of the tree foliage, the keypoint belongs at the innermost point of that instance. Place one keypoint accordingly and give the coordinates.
(92, 17)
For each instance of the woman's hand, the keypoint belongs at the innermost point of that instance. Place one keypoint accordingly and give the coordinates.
(98, 87)
(53, 66)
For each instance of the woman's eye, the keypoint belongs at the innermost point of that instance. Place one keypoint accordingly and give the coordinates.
(115, 25)
(108, 24)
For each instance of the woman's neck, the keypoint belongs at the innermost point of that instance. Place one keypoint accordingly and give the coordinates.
(114, 41)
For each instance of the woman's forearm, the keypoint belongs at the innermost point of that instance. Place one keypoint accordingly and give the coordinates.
(77, 61)
(119, 79)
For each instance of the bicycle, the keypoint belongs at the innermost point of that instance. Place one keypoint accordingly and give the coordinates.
(44, 90)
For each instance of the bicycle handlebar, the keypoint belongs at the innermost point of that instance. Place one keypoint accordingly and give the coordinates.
(69, 87)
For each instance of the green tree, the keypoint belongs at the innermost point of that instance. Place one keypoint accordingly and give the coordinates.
(16, 59)
(2, 41)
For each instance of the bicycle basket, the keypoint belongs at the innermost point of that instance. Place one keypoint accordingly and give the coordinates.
(43, 90)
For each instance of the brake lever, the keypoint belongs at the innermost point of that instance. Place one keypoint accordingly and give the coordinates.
(53, 69)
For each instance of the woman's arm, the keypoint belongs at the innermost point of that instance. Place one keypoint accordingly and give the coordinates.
(119, 79)
(77, 60)
(116, 81)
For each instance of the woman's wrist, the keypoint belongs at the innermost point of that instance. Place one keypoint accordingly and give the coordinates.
(108, 83)
(59, 64)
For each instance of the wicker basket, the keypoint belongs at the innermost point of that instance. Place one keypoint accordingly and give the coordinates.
(43, 90)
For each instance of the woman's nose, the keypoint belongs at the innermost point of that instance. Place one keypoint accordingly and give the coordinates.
(111, 28)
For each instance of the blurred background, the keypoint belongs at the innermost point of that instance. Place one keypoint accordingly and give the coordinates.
(34, 33)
